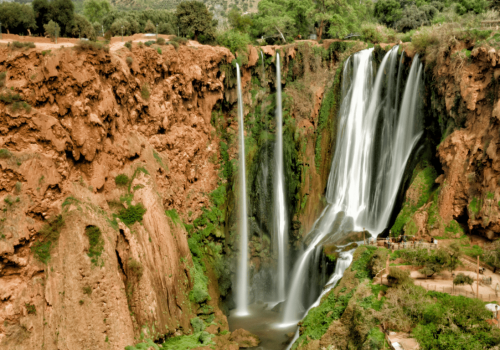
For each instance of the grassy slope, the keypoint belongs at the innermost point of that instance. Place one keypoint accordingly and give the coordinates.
(352, 314)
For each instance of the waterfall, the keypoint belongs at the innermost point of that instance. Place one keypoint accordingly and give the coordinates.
(242, 286)
(263, 67)
(343, 262)
(279, 189)
(375, 137)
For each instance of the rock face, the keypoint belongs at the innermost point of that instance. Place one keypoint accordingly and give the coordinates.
(93, 117)
(463, 194)
(244, 338)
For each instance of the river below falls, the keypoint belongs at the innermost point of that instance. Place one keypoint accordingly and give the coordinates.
(264, 324)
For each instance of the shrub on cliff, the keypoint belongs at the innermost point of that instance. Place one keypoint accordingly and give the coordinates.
(96, 243)
(128, 45)
(398, 277)
(145, 91)
(23, 45)
(85, 45)
(234, 40)
(5, 153)
(129, 61)
(49, 234)
(132, 214)
(122, 180)
(160, 41)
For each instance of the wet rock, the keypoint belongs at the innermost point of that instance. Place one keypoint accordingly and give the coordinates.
(244, 338)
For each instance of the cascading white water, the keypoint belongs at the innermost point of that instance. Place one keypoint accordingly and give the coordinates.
(343, 262)
(279, 190)
(242, 277)
(373, 144)
(263, 67)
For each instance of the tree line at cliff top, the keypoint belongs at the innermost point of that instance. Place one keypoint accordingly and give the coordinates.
(275, 21)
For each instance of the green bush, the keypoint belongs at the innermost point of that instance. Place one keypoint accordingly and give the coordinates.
(198, 324)
(122, 180)
(160, 41)
(24, 44)
(179, 40)
(128, 45)
(87, 45)
(96, 243)
(49, 234)
(145, 93)
(234, 40)
(462, 279)
(9, 97)
(149, 43)
(174, 44)
(135, 268)
(30, 308)
(398, 277)
(3, 76)
(370, 34)
(5, 153)
(129, 61)
(132, 214)
(159, 50)
(199, 293)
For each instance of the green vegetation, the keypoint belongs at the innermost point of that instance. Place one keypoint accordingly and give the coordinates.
(194, 18)
(475, 206)
(462, 279)
(30, 308)
(135, 268)
(160, 41)
(172, 214)
(96, 244)
(5, 153)
(436, 320)
(132, 214)
(129, 61)
(23, 45)
(159, 159)
(145, 93)
(422, 185)
(122, 180)
(48, 237)
(85, 45)
(128, 45)
(87, 290)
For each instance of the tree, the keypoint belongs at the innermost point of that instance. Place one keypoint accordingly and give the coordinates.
(130, 27)
(166, 28)
(273, 18)
(95, 10)
(239, 22)
(388, 12)
(454, 254)
(82, 28)
(62, 12)
(462, 279)
(194, 18)
(149, 27)
(41, 8)
(52, 29)
(413, 17)
(17, 18)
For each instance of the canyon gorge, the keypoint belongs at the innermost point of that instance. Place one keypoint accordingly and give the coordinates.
(122, 200)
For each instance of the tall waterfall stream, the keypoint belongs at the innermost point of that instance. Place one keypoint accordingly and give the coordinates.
(378, 127)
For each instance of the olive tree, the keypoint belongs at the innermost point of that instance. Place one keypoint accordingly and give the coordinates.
(194, 18)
